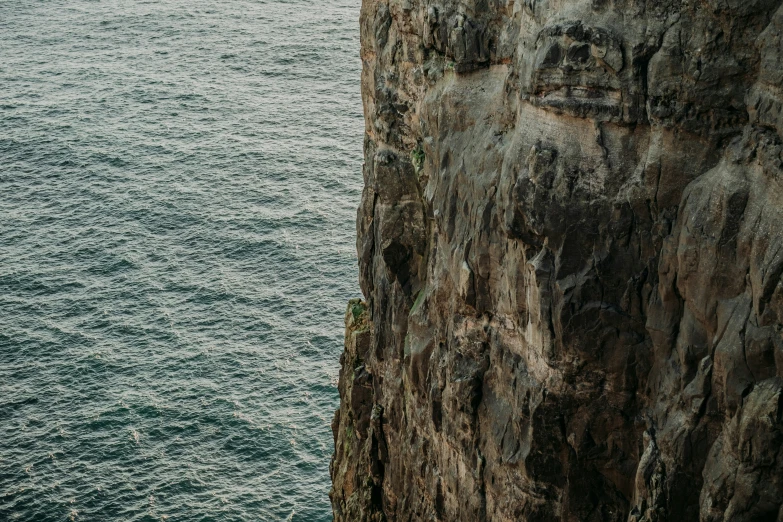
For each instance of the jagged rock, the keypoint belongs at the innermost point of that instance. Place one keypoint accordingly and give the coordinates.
(571, 247)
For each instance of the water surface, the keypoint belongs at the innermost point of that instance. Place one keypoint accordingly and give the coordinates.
(178, 184)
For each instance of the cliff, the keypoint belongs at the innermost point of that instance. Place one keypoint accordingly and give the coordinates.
(571, 246)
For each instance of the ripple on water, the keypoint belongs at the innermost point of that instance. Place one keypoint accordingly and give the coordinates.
(178, 183)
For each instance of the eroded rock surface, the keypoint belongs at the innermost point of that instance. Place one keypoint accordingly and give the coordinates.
(571, 247)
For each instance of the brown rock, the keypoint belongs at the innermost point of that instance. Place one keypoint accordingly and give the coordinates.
(571, 246)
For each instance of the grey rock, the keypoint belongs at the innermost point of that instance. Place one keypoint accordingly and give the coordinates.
(570, 244)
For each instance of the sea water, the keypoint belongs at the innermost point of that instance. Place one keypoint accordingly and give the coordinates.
(178, 185)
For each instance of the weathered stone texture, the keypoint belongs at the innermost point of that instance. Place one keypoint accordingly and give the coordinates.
(571, 246)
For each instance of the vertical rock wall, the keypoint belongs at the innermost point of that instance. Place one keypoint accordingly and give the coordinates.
(571, 246)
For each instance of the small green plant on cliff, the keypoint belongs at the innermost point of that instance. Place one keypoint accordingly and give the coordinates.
(359, 316)
(418, 300)
(417, 158)
(357, 309)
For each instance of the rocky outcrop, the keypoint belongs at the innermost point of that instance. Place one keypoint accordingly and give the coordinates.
(571, 248)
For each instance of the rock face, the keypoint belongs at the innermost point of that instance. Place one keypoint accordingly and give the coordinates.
(571, 246)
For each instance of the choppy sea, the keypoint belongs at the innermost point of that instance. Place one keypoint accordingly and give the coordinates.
(178, 185)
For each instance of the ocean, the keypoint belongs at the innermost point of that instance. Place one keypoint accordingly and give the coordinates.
(178, 190)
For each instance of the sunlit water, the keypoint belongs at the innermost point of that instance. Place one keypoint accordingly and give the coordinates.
(178, 184)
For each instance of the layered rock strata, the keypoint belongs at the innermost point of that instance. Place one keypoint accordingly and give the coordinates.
(571, 248)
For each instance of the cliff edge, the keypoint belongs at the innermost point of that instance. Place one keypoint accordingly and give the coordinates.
(571, 246)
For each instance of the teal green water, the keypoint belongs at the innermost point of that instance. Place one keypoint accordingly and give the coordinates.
(178, 184)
